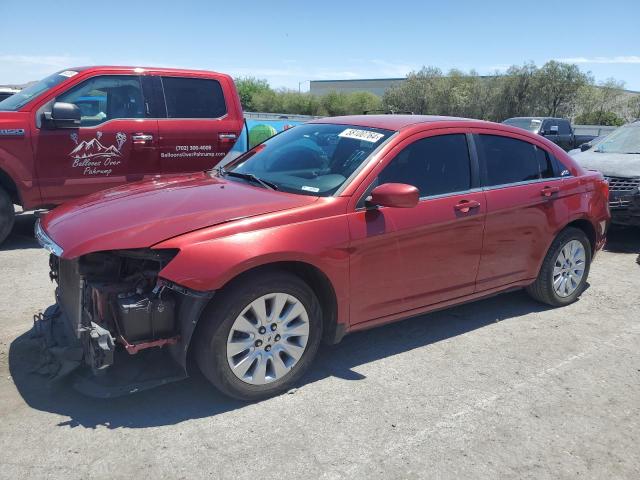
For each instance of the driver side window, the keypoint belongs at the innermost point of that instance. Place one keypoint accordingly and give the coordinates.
(435, 165)
(106, 98)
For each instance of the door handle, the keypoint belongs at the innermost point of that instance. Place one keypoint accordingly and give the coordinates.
(141, 137)
(465, 205)
(548, 191)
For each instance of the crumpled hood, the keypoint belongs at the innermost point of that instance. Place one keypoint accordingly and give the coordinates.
(610, 164)
(142, 214)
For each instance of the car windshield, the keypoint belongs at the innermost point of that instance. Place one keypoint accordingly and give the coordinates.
(20, 99)
(623, 140)
(531, 124)
(311, 159)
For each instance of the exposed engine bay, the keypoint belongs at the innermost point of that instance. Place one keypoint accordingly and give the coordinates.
(112, 305)
(114, 298)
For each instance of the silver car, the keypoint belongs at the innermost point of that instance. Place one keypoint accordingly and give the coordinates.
(618, 158)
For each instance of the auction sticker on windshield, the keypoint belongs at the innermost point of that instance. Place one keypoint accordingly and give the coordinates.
(68, 73)
(357, 134)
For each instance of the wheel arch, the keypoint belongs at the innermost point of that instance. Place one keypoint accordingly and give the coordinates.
(7, 183)
(589, 230)
(317, 280)
(582, 224)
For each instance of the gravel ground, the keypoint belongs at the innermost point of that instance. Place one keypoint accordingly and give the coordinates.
(501, 388)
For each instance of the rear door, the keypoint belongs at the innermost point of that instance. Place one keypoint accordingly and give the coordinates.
(407, 258)
(116, 141)
(201, 124)
(525, 207)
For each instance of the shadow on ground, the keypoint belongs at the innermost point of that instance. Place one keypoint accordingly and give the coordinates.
(22, 236)
(195, 398)
(623, 240)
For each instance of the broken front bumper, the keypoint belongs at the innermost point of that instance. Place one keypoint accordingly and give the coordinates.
(108, 361)
(63, 355)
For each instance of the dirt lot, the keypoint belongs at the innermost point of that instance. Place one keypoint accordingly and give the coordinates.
(501, 388)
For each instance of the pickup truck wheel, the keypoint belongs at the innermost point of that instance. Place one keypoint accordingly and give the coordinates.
(7, 215)
(260, 336)
(564, 272)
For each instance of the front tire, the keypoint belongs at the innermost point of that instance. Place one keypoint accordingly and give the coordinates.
(565, 269)
(7, 215)
(260, 335)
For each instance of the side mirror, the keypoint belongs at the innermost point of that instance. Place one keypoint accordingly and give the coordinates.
(63, 115)
(396, 195)
(585, 146)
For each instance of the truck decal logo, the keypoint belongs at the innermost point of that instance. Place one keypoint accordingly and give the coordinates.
(94, 157)
(12, 132)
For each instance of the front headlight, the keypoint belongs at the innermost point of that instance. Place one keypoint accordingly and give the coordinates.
(45, 241)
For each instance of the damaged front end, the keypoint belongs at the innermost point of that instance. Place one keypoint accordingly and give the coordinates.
(116, 324)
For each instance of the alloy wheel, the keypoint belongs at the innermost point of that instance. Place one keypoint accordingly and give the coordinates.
(569, 268)
(268, 338)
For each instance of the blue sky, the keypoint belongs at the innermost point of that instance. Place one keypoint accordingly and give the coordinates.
(292, 42)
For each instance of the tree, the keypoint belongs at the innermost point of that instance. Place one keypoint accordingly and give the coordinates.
(602, 104)
(417, 94)
(633, 106)
(556, 86)
(599, 118)
(248, 87)
(516, 92)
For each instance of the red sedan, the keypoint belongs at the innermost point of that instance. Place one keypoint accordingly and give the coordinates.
(331, 227)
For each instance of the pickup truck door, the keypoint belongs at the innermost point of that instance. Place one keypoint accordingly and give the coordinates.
(200, 125)
(115, 143)
(559, 132)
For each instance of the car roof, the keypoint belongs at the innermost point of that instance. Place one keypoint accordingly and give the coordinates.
(391, 122)
(535, 118)
(140, 69)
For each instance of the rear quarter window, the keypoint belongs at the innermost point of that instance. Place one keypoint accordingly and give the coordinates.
(193, 98)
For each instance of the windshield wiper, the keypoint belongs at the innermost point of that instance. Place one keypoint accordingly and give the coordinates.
(249, 176)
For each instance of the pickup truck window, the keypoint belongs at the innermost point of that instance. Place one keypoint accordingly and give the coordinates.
(531, 124)
(23, 97)
(193, 98)
(106, 98)
(564, 128)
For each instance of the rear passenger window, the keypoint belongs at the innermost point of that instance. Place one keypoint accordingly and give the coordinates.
(507, 160)
(193, 98)
(435, 165)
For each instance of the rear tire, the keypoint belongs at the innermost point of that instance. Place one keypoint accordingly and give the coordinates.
(565, 269)
(7, 215)
(232, 352)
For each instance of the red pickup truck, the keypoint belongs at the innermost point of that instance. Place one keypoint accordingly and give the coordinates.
(87, 129)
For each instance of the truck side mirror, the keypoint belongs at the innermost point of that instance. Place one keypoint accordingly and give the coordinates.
(63, 115)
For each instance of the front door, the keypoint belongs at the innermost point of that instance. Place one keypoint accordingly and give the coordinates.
(116, 141)
(408, 258)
